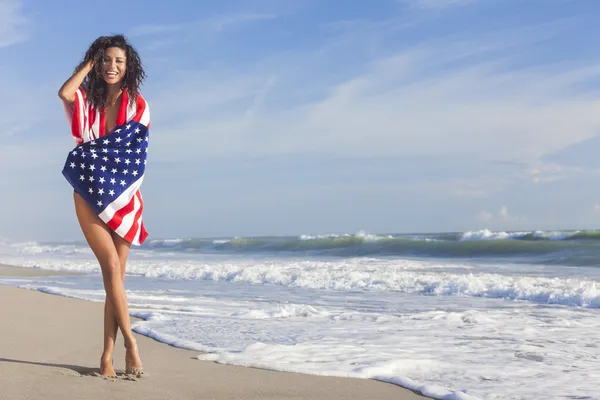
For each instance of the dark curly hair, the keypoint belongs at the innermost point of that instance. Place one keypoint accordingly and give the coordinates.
(94, 85)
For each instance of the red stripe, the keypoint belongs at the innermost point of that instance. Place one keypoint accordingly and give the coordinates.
(122, 115)
(116, 220)
(102, 122)
(85, 117)
(140, 108)
(92, 116)
(75, 128)
(143, 234)
(134, 228)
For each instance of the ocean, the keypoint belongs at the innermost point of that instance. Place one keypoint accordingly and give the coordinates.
(467, 315)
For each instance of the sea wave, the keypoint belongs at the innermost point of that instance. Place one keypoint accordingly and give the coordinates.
(579, 248)
(564, 291)
(571, 247)
(407, 276)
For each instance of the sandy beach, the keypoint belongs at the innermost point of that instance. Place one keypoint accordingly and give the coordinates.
(50, 348)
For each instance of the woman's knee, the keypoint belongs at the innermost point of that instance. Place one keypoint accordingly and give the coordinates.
(111, 268)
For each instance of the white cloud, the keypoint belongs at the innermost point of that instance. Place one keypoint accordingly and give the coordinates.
(543, 172)
(17, 122)
(206, 26)
(480, 187)
(502, 215)
(223, 22)
(260, 97)
(478, 109)
(13, 24)
(198, 32)
(18, 97)
(360, 93)
(484, 216)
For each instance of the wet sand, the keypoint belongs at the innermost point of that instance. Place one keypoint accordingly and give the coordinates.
(50, 349)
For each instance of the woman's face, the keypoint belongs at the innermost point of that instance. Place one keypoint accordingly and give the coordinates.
(114, 65)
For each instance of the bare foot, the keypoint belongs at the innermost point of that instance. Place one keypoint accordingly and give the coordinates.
(106, 366)
(133, 364)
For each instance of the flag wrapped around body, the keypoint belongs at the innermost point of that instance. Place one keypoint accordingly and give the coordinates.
(108, 170)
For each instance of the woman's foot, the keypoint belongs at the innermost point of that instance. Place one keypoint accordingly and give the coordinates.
(106, 366)
(133, 363)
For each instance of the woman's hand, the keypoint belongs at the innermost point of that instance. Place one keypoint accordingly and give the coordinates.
(89, 66)
(89, 57)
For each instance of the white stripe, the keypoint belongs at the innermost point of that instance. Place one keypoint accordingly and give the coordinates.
(131, 111)
(129, 219)
(145, 120)
(95, 129)
(121, 201)
(136, 239)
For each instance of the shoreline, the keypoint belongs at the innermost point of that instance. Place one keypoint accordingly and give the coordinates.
(15, 271)
(54, 345)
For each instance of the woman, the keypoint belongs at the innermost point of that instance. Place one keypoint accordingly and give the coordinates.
(102, 100)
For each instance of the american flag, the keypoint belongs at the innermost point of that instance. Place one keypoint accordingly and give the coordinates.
(108, 172)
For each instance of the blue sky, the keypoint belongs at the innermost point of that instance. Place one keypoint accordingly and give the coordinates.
(290, 117)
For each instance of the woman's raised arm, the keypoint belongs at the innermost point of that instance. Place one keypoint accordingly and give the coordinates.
(68, 89)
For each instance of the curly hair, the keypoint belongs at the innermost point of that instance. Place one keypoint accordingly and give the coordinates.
(95, 86)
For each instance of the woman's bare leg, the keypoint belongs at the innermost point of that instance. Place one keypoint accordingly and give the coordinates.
(99, 237)
(110, 337)
(110, 321)
(132, 357)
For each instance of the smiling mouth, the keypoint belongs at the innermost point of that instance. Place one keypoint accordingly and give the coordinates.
(111, 73)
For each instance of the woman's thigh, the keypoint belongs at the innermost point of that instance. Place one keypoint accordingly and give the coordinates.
(97, 234)
(122, 246)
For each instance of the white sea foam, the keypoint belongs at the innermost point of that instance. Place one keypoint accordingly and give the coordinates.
(60, 249)
(282, 311)
(450, 330)
(446, 348)
(553, 235)
(364, 236)
(166, 242)
(486, 234)
(407, 276)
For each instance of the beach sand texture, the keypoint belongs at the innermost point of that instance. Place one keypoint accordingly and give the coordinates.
(50, 348)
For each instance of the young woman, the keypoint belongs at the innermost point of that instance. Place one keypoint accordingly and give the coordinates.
(101, 99)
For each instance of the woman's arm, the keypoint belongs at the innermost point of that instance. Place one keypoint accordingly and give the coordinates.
(68, 89)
